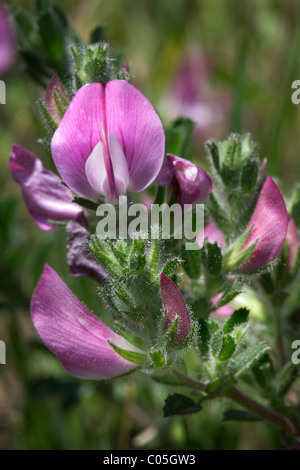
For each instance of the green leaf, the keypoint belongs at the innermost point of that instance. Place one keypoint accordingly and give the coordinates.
(235, 256)
(212, 258)
(240, 415)
(216, 343)
(246, 358)
(227, 349)
(213, 151)
(204, 336)
(104, 254)
(238, 318)
(192, 262)
(249, 176)
(131, 356)
(178, 404)
(229, 295)
(130, 336)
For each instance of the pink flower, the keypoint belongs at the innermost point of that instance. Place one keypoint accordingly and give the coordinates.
(193, 184)
(73, 333)
(175, 306)
(7, 42)
(191, 96)
(47, 199)
(292, 239)
(270, 222)
(110, 140)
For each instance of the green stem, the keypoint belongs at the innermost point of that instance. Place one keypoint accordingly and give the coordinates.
(260, 410)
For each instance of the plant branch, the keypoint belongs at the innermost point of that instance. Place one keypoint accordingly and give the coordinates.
(266, 413)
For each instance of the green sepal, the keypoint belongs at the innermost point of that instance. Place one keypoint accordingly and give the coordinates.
(131, 356)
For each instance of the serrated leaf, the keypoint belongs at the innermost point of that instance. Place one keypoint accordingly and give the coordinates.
(245, 359)
(227, 349)
(178, 404)
(238, 318)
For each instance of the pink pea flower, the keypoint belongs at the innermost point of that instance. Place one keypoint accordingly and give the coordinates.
(270, 223)
(7, 42)
(73, 333)
(193, 183)
(79, 258)
(292, 239)
(109, 141)
(47, 199)
(175, 305)
(191, 96)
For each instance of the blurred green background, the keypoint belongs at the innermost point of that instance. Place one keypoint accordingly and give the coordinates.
(251, 55)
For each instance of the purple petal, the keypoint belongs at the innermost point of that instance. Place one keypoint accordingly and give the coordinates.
(7, 42)
(96, 112)
(79, 257)
(175, 305)
(54, 86)
(193, 184)
(47, 199)
(132, 118)
(73, 333)
(270, 221)
(292, 239)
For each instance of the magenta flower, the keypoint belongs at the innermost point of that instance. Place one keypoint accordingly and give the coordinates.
(270, 222)
(224, 311)
(292, 239)
(193, 184)
(110, 140)
(79, 258)
(47, 199)
(175, 306)
(7, 42)
(73, 333)
(191, 96)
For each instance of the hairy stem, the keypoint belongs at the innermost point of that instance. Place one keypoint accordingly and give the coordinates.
(266, 413)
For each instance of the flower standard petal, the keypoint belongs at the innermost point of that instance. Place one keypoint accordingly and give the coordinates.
(175, 306)
(73, 333)
(47, 199)
(269, 221)
(132, 118)
(96, 112)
